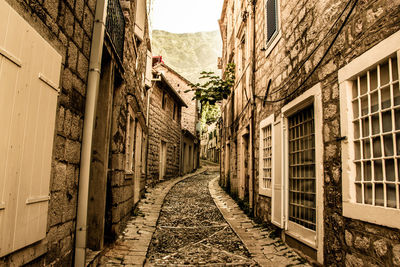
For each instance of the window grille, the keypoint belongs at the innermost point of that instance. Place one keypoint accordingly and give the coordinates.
(302, 178)
(115, 25)
(272, 19)
(376, 113)
(267, 157)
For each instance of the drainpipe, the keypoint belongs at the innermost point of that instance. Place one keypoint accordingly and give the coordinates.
(253, 103)
(88, 126)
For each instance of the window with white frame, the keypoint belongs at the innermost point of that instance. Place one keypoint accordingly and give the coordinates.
(266, 139)
(272, 24)
(370, 101)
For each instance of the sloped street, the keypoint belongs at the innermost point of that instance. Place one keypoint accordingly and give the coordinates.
(191, 221)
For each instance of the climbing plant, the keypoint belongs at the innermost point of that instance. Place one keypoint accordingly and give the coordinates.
(214, 88)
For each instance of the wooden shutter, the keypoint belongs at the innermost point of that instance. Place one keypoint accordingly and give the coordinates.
(149, 68)
(278, 177)
(29, 80)
(140, 20)
(138, 162)
(271, 18)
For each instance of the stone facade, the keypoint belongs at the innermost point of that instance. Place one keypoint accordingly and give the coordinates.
(190, 117)
(291, 62)
(165, 132)
(67, 26)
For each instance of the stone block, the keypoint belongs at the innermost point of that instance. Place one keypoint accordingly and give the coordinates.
(69, 21)
(88, 19)
(353, 261)
(59, 150)
(51, 7)
(362, 242)
(72, 151)
(396, 255)
(72, 57)
(59, 177)
(380, 247)
(83, 67)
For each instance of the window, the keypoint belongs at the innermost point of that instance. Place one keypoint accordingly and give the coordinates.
(174, 112)
(301, 208)
(164, 100)
(370, 111)
(265, 183)
(272, 24)
(302, 198)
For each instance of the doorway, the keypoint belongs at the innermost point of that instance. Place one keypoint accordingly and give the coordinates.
(98, 184)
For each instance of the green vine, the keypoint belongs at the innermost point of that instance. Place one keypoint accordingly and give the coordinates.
(215, 88)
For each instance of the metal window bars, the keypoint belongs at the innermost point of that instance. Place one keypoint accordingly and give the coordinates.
(115, 26)
(376, 113)
(267, 157)
(302, 175)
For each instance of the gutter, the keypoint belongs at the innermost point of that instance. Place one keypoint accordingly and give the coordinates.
(88, 126)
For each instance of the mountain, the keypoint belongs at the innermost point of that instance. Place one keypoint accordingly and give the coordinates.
(188, 53)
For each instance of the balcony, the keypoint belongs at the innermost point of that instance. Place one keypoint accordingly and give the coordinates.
(115, 26)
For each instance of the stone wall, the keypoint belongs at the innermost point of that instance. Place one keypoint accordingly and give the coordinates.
(131, 92)
(162, 127)
(304, 25)
(67, 26)
(180, 84)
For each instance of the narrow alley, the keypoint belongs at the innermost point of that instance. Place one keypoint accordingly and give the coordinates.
(192, 231)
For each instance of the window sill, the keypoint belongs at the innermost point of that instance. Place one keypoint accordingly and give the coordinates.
(272, 43)
(265, 192)
(372, 214)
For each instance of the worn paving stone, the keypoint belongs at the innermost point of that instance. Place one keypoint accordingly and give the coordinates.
(191, 221)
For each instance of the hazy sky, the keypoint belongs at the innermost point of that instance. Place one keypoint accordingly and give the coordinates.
(183, 16)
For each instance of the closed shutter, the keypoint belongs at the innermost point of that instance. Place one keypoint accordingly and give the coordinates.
(140, 20)
(138, 162)
(278, 177)
(29, 80)
(271, 18)
(149, 68)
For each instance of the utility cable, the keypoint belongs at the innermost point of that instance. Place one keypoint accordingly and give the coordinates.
(321, 60)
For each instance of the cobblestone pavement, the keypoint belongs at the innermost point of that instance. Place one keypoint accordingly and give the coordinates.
(265, 249)
(131, 248)
(186, 228)
(192, 231)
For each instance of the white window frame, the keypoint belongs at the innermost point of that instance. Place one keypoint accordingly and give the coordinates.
(313, 239)
(378, 215)
(270, 44)
(265, 123)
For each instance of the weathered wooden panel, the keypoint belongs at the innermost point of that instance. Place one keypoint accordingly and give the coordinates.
(29, 78)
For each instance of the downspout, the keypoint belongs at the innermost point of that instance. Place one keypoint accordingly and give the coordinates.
(88, 127)
(253, 103)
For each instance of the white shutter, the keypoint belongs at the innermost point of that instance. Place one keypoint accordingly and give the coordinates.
(29, 79)
(138, 162)
(140, 20)
(278, 177)
(149, 68)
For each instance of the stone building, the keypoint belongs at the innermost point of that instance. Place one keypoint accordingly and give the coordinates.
(165, 131)
(63, 156)
(210, 142)
(311, 129)
(189, 119)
